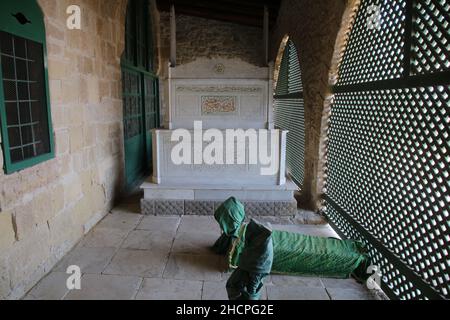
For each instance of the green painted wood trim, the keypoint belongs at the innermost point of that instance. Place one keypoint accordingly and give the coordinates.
(34, 31)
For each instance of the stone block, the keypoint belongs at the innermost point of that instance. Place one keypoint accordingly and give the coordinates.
(5, 283)
(27, 259)
(201, 208)
(72, 189)
(62, 141)
(259, 208)
(28, 217)
(57, 69)
(287, 208)
(93, 90)
(147, 207)
(7, 233)
(169, 194)
(76, 139)
(169, 207)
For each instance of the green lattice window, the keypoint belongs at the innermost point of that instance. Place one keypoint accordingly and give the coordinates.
(140, 92)
(388, 151)
(289, 111)
(27, 137)
(138, 40)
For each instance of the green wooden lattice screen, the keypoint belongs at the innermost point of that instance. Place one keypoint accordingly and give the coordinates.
(388, 151)
(289, 112)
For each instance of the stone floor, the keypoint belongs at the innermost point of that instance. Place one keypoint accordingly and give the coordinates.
(130, 256)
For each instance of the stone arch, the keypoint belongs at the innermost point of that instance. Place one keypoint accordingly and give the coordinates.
(289, 108)
(338, 53)
(312, 26)
(279, 57)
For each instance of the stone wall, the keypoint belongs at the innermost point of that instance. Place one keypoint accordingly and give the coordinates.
(313, 26)
(205, 38)
(46, 209)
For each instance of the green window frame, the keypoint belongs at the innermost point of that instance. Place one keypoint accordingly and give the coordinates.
(27, 140)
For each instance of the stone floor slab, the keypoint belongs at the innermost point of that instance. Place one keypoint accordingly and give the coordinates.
(106, 287)
(296, 293)
(51, 287)
(90, 260)
(170, 289)
(149, 240)
(350, 294)
(204, 224)
(160, 223)
(194, 267)
(143, 263)
(214, 291)
(194, 242)
(105, 238)
(309, 282)
(120, 220)
(342, 283)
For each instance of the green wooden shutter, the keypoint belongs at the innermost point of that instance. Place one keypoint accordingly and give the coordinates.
(289, 112)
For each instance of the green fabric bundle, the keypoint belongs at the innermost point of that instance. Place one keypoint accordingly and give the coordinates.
(255, 264)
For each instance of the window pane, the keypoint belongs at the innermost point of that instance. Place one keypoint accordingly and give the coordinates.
(8, 67)
(14, 137)
(12, 115)
(16, 155)
(26, 98)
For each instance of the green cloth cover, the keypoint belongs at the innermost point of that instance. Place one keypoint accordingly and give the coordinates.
(297, 254)
(293, 253)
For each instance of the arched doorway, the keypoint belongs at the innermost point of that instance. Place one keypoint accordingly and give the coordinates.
(139, 91)
(289, 109)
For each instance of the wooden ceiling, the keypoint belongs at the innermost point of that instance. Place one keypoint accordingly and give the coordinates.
(245, 12)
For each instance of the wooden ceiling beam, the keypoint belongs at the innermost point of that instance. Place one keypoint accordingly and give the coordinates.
(246, 12)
